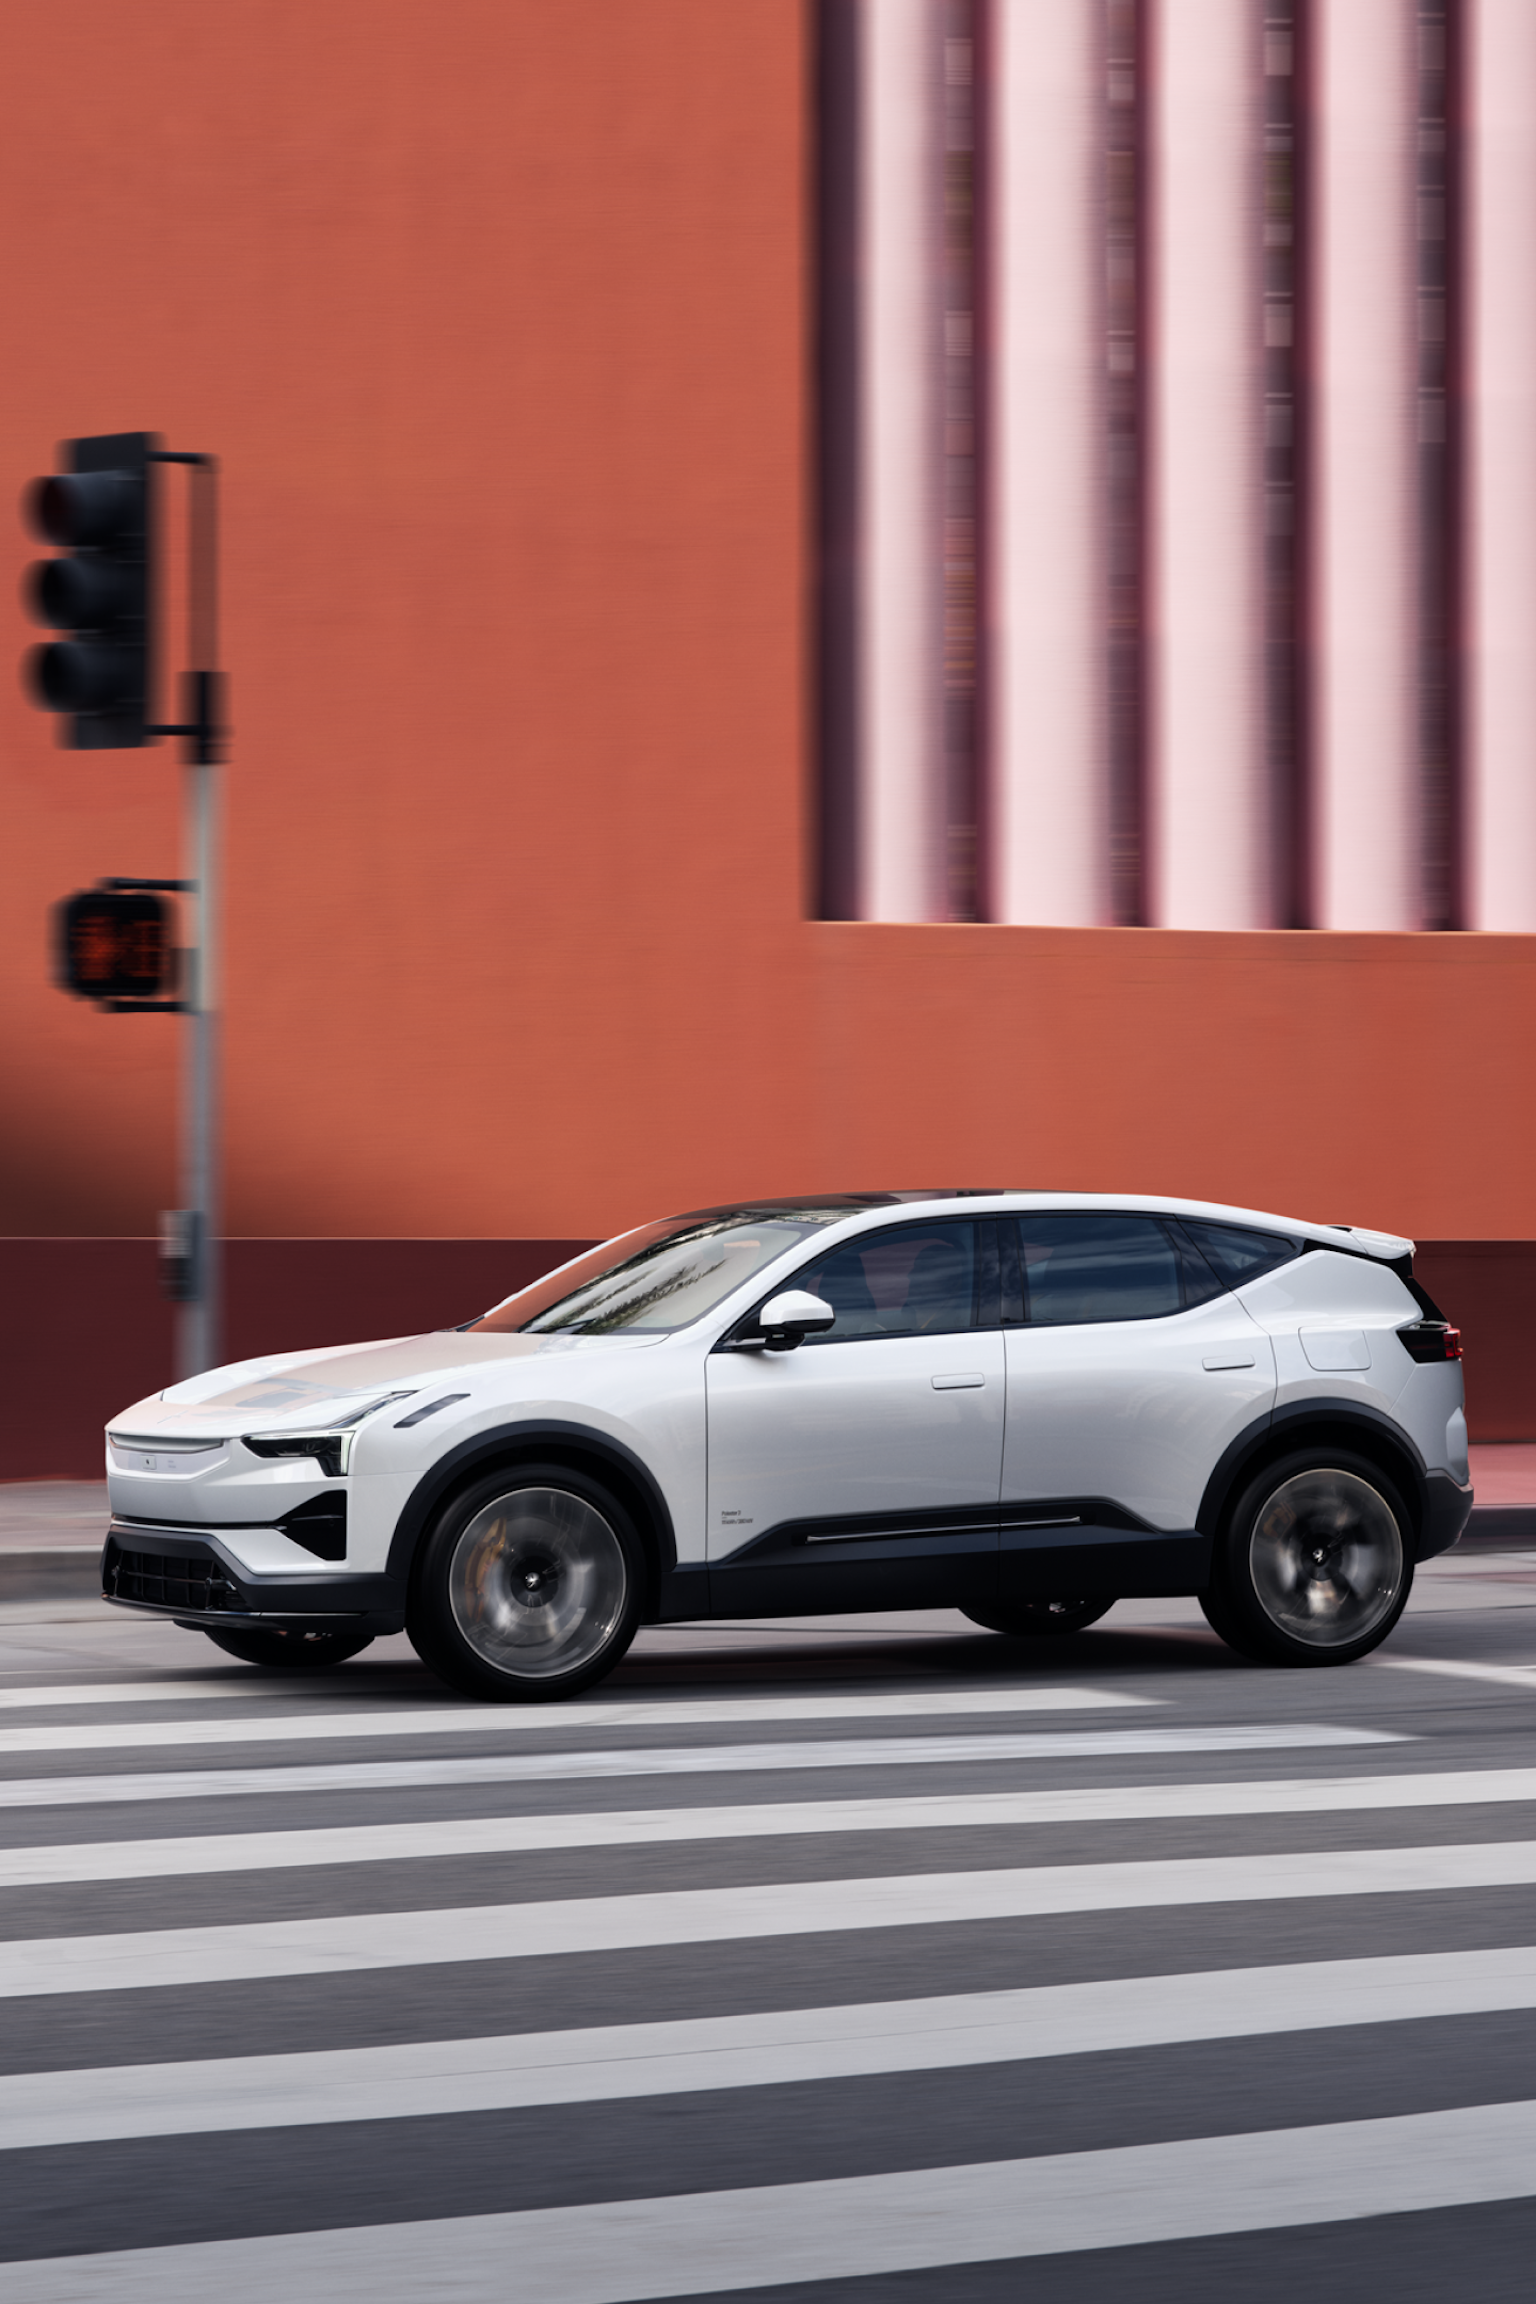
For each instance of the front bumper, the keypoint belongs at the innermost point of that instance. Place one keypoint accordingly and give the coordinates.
(188, 1575)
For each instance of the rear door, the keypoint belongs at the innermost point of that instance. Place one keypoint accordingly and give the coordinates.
(1130, 1369)
(862, 1469)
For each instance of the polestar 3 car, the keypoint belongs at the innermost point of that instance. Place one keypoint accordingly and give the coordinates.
(1024, 1405)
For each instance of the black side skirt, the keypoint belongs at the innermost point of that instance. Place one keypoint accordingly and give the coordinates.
(975, 1556)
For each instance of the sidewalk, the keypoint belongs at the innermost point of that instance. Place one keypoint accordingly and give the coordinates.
(51, 1530)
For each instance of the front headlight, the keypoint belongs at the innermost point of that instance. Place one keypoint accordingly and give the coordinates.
(331, 1450)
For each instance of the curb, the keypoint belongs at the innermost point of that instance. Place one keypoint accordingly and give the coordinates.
(51, 1572)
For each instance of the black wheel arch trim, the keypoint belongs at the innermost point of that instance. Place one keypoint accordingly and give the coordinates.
(505, 1445)
(1375, 1434)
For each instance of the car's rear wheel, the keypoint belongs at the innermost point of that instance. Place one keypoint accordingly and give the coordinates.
(288, 1651)
(529, 1587)
(1026, 1619)
(1315, 1566)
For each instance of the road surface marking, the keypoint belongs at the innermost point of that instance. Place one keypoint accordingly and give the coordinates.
(625, 2251)
(434, 2078)
(682, 1760)
(191, 1854)
(559, 1925)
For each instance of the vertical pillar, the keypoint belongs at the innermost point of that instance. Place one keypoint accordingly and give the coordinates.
(961, 480)
(1047, 810)
(1365, 743)
(900, 812)
(1207, 795)
(1501, 464)
(1284, 235)
(1439, 436)
(200, 1319)
(838, 266)
(1123, 251)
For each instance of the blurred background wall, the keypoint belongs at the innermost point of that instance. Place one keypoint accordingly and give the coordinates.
(844, 594)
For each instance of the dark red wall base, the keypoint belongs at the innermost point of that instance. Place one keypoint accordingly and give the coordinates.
(1486, 1287)
(86, 1332)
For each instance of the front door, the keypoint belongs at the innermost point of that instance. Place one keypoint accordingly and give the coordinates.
(862, 1469)
(1130, 1370)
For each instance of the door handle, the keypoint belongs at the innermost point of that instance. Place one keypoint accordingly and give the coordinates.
(969, 1381)
(1235, 1358)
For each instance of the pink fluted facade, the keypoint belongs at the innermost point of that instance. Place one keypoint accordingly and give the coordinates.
(1500, 496)
(900, 873)
(1207, 816)
(1365, 729)
(1044, 647)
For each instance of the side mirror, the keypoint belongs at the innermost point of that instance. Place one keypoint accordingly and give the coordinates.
(787, 1319)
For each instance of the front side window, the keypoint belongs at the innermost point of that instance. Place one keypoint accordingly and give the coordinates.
(656, 1280)
(1080, 1268)
(920, 1280)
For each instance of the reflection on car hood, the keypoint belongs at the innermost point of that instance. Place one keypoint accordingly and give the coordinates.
(311, 1388)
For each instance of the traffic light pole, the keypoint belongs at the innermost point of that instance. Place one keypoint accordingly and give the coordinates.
(199, 1293)
(101, 592)
(198, 1321)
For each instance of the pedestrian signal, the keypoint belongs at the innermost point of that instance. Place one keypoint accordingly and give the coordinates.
(112, 945)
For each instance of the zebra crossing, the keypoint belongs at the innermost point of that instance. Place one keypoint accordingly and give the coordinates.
(979, 1995)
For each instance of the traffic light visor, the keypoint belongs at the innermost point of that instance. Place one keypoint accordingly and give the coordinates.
(80, 595)
(75, 508)
(82, 675)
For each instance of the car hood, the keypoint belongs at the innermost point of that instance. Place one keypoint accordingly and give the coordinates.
(303, 1390)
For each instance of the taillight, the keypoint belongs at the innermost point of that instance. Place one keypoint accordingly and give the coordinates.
(1431, 1340)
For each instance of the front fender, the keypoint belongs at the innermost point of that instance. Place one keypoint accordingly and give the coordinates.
(504, 1443)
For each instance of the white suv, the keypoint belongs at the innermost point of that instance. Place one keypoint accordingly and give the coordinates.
(1025, 1405)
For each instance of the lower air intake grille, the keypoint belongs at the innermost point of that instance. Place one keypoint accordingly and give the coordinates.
(191, 1581)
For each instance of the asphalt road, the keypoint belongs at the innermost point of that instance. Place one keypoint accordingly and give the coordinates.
(870, 1959)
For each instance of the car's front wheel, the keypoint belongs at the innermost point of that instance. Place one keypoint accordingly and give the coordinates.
(288, 1651)
(1315, 1565)
(1027, 1619)
(529, 1587)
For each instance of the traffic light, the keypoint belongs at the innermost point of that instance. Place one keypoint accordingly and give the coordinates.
(114, 945)
(99, 590)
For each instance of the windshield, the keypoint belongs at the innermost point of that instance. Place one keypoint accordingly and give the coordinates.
(655, 1280)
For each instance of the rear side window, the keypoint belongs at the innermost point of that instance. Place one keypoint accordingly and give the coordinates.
(920, 1280)
(1081, 1268)
(1236, 1255)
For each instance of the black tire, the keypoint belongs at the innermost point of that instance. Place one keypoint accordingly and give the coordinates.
(529, 1588)
(1315, 1564)
(1028, 1619)
(288, 1651)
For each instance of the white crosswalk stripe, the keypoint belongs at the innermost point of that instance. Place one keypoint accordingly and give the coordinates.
(191, 1855)
(1521, 1676)
(512, 1719)
(218, 1918)
(952, 1750)
(566, 1925)
(627, 2060)
(25, 1699)
(620, 2252)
